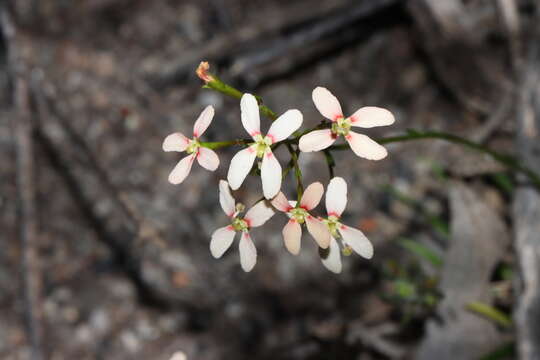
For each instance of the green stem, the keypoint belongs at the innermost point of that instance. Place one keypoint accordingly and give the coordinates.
(507, 160)
(297, 172)
(330, 162)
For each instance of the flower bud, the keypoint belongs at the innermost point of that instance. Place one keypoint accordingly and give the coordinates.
(202, 72)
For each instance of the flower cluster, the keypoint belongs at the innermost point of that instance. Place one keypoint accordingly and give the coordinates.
(257, 157)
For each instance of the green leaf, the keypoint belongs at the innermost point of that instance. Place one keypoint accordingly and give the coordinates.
(421, 251)
(491, 313)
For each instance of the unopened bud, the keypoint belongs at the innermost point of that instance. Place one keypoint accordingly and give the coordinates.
(202, 72)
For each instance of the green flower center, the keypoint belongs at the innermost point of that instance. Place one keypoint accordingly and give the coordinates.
(341, 126)
(299, 214)
(193, 146)
(262, 144)
(239, 224)
(333, 225)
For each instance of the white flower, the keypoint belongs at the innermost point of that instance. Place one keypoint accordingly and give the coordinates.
(366, 117)
(242, 162)
(207, 158)
(223, 237)
(292, 231)
(336, 200)
(179, 355)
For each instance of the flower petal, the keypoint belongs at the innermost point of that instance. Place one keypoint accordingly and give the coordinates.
(281, 203)
(208, 159)
(372, 116)
(331, 257)
(357, 241)
(226, 199)
(316, 140)
(312, 196)
(319, 231)
(260, 213)
(241, 164)
(204, 120)
(292, 234)
(327, 104)
(222, 239)
(336, 196)
(364, 147)
(175, 142)
(285, 125)
(181, 170)
(270, 175)
(250, 114)
(248, 252)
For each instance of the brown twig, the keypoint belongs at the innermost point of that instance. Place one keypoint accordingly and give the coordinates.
(26, 202)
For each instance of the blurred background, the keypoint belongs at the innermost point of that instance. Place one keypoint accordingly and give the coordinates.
(102, 258)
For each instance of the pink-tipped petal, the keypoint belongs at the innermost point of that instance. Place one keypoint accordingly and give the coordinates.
(226, 199)
(327, 104)
(336, 197)
(204, 120)
(181, 170)
(319, 231)
(372, 116)
(270, 175)
(285, 125)
(357, 241)
(364, 147)
(312, 196)
(260, 213)
(175, 142)
(208, 159)
(240, 166)
(250, 114)
(281, 203)
(316, 140)
(331, 258)
(222, 239)
(292, 233)
(248, 252)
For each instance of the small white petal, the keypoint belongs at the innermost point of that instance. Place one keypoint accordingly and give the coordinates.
(179, 355)
(372, 116)
(331, 257)
(270, 175)
(208, 159)
(204, 120)
(281, 203)
(327, 104)
(240, 166)
(357, 241)
(316, 140)
(336, 197)
(175, 142)
(319, 231)
(181, 170)
(248, 252)
(285, 125)
(222, 239)
(226, 199)
(364, 147)
(250, 114)
(260, 213)
(292, 234)
(312, 196)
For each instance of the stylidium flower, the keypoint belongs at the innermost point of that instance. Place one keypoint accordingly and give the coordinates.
(299, 214)
(351, 239)
(365, 117)
(242, 162)
(223, 237)
(207, 158)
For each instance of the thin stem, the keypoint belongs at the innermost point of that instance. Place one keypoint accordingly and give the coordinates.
(297, 172)
(504, 159)
(220, 144)
(330, 162)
